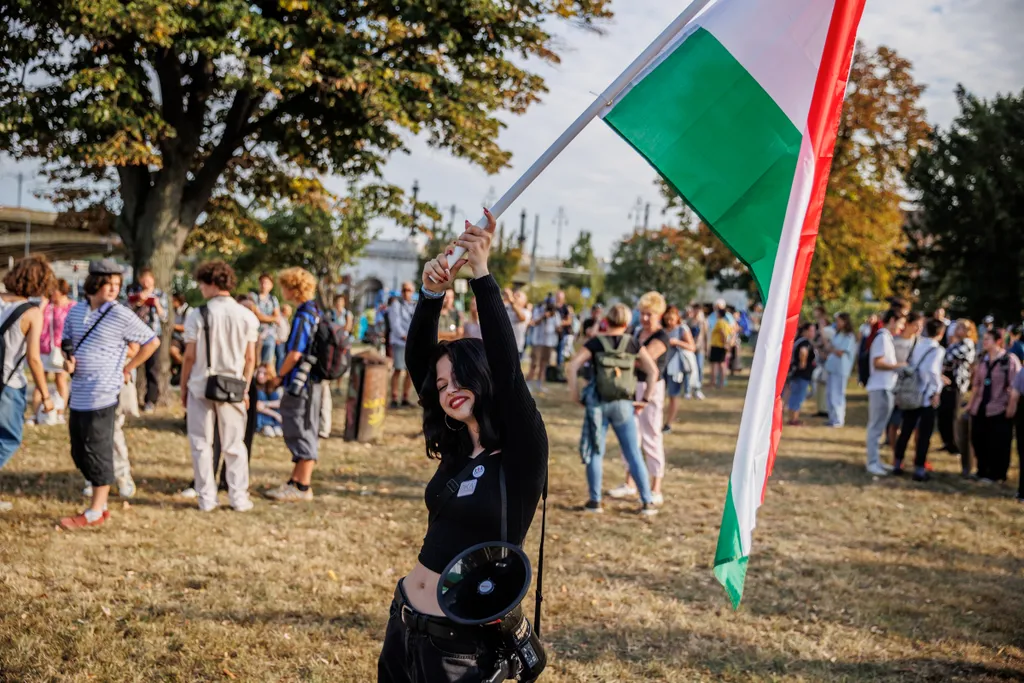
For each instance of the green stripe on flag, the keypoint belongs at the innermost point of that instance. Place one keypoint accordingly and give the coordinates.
(720, 140)
(730, 562)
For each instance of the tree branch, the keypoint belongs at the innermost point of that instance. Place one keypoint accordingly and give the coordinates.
(168, 69)
(199, 191)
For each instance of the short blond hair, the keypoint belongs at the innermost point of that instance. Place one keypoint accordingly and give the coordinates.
(653, 303)
(298, 280)
(619, 315)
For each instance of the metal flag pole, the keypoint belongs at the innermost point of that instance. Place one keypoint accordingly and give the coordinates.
(591, 112)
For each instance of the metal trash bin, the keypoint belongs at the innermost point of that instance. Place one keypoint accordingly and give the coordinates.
(366, 402)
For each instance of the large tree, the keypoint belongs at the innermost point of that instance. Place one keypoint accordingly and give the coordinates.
(967, 237)
(662, 260)
(168, 114)
(860, 235)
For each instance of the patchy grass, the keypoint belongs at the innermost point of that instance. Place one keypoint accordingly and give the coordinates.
(851, 579)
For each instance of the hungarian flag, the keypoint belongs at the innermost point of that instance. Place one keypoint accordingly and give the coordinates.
(739, 114)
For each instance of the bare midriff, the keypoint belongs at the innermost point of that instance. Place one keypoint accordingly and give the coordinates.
(421, 588)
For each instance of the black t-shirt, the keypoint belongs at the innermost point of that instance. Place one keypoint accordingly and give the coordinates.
(566, 325)
(662, 360)
(808, 372)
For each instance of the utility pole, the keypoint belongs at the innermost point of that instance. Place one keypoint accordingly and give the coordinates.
(647, 214)
(522, 230)
(636, 213)
(415, 213)
(21, 179)
(28, 217)
(560, 220)
(451, 224)
(533, 254)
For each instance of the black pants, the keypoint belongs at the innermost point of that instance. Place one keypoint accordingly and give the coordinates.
(991, 437)
(949, 407)
(152, 381)
(923, 418)
(412, 657)
(92, 443)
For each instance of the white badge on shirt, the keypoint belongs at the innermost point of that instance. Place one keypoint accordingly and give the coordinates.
(478, 471)
(467, 488)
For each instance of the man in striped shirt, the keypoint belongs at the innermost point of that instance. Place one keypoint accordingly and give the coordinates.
(98, 335)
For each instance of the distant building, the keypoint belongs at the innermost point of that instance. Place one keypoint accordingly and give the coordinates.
(383, 267)
(52, 235)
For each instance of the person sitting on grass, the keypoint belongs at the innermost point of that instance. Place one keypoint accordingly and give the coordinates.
(801, 372)
(268, 401)
(300, 410)
(21, 324)
(99, 333)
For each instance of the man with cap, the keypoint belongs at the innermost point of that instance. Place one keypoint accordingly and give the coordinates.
(96, 339)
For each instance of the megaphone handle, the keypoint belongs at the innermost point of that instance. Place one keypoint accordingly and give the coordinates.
(500, 674)
(459, 252)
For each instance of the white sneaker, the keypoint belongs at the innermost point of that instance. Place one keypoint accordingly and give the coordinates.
(188, 493)
(289, 493)
(877, 470)
(657, 499)
(126, 487)
(87, 490)
(243, 507)
(268, 431)
(648, 510)
(621, 492)
(278, 431)
(5, 506)
(699, 395)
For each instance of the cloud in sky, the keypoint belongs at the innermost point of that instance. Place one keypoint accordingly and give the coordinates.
(598, 178)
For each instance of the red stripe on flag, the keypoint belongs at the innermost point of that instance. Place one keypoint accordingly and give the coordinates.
(822, 128)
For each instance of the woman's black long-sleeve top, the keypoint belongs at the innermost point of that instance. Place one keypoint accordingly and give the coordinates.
(473, 518)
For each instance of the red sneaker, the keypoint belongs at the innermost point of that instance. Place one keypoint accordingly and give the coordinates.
(80, 521)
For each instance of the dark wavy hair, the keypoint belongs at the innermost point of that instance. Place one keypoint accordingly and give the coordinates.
(470, 371)
(217, 273)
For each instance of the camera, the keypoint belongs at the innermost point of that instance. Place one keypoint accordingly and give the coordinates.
(520, 653)
(301, 377)
(67, 347)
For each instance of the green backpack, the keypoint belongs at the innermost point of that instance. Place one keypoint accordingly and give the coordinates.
(615, 370)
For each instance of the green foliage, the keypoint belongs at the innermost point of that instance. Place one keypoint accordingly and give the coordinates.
(165, 115)
(321, 241)
(581, 255)
(967, 239)
(660, 260)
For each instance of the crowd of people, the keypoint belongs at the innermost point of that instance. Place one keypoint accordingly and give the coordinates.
(242, 365)
(922, 373)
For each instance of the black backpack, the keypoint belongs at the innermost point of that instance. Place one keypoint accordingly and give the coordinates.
(14, 317)
(332, 349)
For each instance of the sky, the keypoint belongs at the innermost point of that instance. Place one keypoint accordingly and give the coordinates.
(598, 180)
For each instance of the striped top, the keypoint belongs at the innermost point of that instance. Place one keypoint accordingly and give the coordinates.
(99, 361)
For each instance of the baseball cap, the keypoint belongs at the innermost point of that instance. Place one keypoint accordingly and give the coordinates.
(105, 266)
(988, 320)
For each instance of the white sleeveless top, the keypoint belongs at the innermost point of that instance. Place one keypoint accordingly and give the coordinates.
(14, 346)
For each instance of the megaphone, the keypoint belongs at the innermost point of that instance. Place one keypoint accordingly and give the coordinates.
(485, 586)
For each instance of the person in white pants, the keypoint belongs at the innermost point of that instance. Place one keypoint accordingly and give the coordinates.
(222, 343)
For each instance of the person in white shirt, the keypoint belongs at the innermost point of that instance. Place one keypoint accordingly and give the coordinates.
(546, 324)
(399, 316)
(518, 309)
(926, 361)
(220, 343)
(880, 386)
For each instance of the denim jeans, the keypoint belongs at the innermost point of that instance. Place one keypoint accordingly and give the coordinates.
(267, 348)
(12, 420)
(620, 416)
(836, 385)
(797, 393)
(880, 405)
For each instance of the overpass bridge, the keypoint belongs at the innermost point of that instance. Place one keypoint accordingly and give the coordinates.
(44, 232)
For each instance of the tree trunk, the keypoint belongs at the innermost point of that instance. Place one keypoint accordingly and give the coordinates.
(159, 250)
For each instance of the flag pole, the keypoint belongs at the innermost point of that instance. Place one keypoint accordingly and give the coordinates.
(591, 112)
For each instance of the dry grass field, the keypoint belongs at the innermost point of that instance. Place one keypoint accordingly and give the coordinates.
(851, 579)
